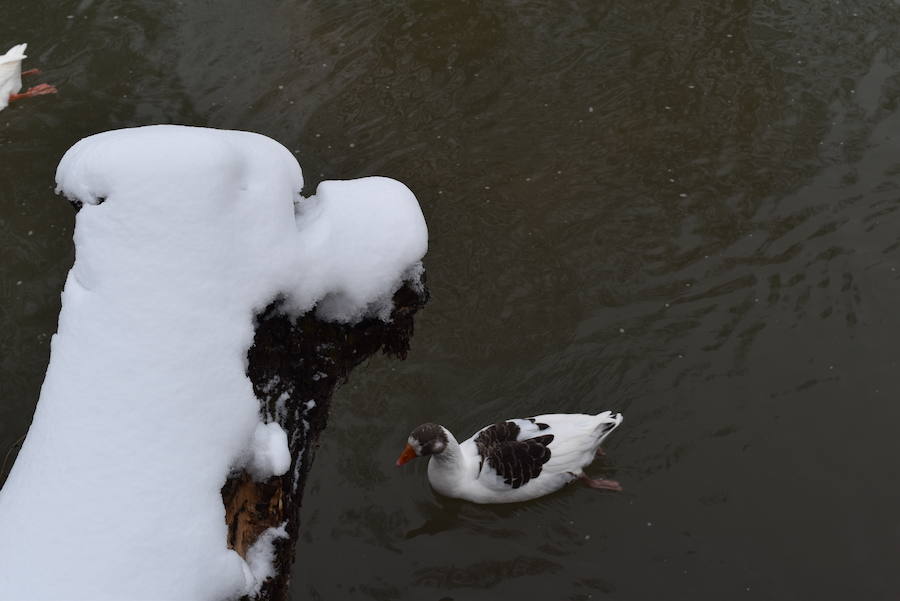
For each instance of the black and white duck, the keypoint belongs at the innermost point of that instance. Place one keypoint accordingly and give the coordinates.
(513, 460)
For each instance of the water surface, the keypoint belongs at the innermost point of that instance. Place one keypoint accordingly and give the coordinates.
(683, 210)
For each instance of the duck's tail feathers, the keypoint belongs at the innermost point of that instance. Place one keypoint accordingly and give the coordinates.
(606, 423)
(16, 53)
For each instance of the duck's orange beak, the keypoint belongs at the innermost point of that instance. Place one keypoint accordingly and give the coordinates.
(407, 455)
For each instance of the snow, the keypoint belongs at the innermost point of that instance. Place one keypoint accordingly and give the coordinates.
(184, 234)
(260, 556)
(269, 454)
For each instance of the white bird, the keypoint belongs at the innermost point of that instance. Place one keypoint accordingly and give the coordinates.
(514, 460)
(11, 77)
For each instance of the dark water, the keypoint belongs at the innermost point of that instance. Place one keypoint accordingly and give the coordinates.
(684, 210)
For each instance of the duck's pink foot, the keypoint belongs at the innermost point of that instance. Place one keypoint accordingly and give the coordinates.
(38, 90)
(600, 452)
(601, 483)
(31, 72)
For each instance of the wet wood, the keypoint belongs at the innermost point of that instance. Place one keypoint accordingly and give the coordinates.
(250, 508)
(295, 367)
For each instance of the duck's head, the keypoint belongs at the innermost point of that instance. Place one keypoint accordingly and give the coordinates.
(427, 439)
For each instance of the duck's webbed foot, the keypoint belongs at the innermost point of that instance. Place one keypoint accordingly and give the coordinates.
(601, 483)
(31, 72)
(38, 90)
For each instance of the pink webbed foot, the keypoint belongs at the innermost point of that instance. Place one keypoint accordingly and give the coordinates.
(601, 483)
(38, 90)
(31, 72)
(600, 452)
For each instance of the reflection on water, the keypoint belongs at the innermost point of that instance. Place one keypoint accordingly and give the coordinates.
(485, 574)
(685, 211)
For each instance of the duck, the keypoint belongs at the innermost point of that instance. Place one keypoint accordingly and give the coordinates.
(11, 77)
(513, 460)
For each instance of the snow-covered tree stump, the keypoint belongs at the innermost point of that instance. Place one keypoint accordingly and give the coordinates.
(210, 312)
(295, 366)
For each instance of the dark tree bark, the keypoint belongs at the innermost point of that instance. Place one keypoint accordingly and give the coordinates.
(291, 363)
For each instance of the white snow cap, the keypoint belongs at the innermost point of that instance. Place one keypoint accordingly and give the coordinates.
(185, 233)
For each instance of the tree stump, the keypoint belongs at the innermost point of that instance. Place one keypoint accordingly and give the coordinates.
(295, 367)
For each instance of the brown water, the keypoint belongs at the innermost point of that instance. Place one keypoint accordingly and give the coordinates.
(683, 210)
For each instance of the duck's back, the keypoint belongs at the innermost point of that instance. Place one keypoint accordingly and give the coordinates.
(522, 459)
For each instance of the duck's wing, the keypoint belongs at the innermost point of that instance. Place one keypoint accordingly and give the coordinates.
(515, 450)
(577, 437)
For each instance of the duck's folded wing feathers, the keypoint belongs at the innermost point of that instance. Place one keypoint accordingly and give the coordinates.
(512, 450)
(512, 429)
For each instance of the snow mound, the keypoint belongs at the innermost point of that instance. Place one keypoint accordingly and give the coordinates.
(260, 557)
(269, 454)
(183, 236)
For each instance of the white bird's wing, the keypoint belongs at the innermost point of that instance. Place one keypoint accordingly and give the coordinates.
(577, 437)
